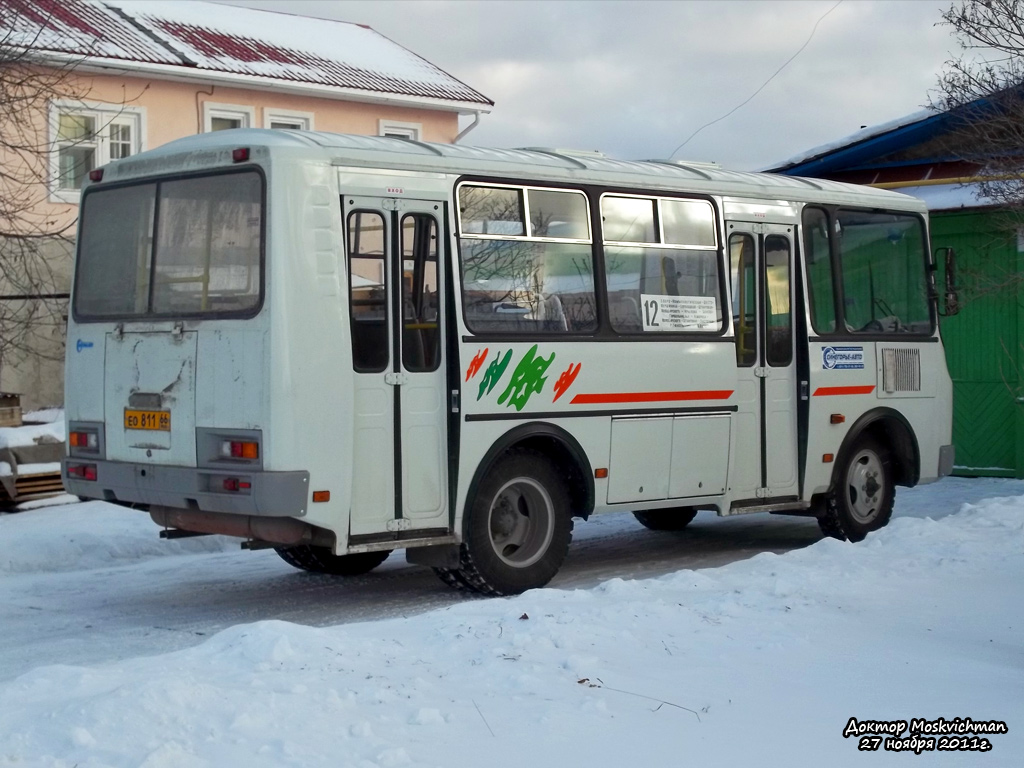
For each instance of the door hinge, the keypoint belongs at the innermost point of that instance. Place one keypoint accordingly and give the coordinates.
(455, 401)
(761, 372)
(178, 331)
(763, 493)
(396, 379)
(399, 524)
(803, 390)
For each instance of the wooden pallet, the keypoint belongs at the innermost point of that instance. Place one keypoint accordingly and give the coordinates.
(29, 487)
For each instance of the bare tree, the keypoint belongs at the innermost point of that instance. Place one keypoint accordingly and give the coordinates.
(34, 241)
(982, 89)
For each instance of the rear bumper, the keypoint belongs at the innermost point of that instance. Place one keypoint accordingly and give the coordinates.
(271, 494)
(946, 455)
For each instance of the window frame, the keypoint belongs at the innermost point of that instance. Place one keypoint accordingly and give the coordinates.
(400, 129)
(150, 316)
(838, 289)
(246, 114)
(719, 249)
(105, 115)
(304, 120)
(524, 187)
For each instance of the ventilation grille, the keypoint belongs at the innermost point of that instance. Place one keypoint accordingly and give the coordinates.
(901, 370)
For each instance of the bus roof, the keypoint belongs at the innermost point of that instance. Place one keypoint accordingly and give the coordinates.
(558, 165)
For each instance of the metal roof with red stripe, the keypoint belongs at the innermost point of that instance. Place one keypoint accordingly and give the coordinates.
(208, 40)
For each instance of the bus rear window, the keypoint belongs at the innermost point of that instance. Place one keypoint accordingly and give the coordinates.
(182, 247)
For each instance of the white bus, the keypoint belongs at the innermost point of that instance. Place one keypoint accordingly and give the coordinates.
(339, 346)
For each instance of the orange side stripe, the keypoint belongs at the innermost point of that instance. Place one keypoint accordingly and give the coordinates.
(652, 397)
(823, 391)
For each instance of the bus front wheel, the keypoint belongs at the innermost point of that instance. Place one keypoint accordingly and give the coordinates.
(862, 497)
(674, 519)
(519, 527)
(322, 560)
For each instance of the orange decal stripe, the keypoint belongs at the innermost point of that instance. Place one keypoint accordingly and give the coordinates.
(652, 397)
(825, 391)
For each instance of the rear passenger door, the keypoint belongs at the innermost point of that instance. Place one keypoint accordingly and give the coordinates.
(399, 477)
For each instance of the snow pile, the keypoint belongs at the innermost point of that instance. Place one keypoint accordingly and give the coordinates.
(32, 434)
(100, 535)
(763, 660)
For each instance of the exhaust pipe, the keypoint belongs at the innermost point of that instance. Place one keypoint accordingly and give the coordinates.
(275, 530)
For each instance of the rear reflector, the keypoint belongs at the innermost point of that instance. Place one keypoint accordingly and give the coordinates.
(240, 155)
(82, 471)
(96, 174)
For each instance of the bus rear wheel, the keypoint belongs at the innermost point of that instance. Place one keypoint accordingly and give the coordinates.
(322, 560)
(863, 494)
(674, 519)
(519, 527)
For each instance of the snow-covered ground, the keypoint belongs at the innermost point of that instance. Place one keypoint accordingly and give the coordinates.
(745, 639)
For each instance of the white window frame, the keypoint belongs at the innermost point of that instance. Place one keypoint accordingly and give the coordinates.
(303, 119)
(412, 131)
(246, 115)
(105, 115)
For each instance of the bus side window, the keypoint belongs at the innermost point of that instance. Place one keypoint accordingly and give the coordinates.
(421, 339)
(368, 300)
(778, 320)
(819, 270)
(744, 297)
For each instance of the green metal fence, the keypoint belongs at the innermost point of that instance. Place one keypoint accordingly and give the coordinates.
(984, 342)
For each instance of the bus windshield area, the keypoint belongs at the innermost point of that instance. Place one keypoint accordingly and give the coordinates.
(171, 248)
(881, 277)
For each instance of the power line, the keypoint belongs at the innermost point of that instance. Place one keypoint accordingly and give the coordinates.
(765, 83)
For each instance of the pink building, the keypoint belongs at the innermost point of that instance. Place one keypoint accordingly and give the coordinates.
(141, 73)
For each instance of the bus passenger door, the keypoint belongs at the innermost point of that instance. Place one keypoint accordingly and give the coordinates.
(764, 470)
(399, 472)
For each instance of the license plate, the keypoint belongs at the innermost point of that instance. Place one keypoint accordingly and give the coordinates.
(154, 420)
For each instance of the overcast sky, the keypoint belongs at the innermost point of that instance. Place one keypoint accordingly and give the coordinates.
(635, 79)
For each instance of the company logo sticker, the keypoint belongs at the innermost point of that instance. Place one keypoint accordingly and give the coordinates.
(83, 345)
(839, 358)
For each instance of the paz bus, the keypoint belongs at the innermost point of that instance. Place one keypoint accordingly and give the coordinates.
(338, 346)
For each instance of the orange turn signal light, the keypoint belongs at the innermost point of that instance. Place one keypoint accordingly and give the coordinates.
(828, 458)
(837, 418)
(601, 473)
(321, 496)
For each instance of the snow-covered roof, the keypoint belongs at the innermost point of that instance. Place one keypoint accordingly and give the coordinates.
(191, 38)
(864, 134)
(948, 197)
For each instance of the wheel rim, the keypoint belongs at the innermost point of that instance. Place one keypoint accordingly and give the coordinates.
(865, 486)
(520, 522)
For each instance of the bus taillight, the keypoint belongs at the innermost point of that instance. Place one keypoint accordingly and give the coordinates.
(239, 449)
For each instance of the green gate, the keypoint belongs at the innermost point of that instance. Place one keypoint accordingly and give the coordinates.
(983, 343)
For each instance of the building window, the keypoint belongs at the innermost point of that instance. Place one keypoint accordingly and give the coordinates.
(87, 137)
(222, 117)
(287, 119)
(397, 130)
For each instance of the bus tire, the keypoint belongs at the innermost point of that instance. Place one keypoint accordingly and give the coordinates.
(863, 494)
(519, 526)
(322, 560)
(674, 519)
